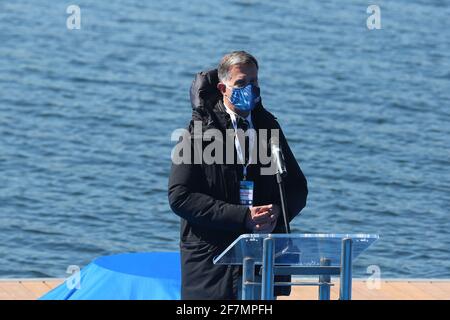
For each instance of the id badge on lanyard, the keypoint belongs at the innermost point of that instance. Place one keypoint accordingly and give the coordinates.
(245, 186)
(246, 192)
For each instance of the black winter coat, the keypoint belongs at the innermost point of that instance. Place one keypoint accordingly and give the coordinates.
(206, 197)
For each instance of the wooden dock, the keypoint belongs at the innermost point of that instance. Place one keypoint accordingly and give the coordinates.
(26, 289)
(401, 289)
(389, 289)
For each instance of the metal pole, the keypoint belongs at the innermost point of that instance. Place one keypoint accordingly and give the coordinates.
(324, 281)
(267, 274)
(287, 228)
(248, 275)
(346, 270)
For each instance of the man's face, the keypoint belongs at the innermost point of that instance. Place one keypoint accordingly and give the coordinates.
(240, 76)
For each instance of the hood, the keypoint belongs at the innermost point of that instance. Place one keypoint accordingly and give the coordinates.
(204, 92)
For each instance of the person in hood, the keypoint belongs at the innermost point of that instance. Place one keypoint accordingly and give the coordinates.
(220, 201)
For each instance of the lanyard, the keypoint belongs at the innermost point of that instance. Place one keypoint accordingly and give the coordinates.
(239, 151)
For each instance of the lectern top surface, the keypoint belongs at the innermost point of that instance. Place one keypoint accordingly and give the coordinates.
(305, 249)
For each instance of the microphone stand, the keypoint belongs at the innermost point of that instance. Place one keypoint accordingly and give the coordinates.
(283, 201)
(290, 252)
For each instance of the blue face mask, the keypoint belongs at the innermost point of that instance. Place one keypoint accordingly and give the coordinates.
(245, 98)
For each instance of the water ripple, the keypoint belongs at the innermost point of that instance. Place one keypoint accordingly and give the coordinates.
(86, 118)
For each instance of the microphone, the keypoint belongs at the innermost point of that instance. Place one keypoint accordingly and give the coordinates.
(277, 156)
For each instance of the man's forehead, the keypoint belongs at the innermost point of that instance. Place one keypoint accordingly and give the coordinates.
(243, 70)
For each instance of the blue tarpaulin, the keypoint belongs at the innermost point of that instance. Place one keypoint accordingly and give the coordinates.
(131, 276)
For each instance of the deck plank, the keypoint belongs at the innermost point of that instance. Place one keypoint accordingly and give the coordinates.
(444, 287)
(408, 289)
(360, 291)
(23, 289)
(392, 292)
(53, 283)
(433, 291)
(37, 288)
(4, 294)
(389, 290)
(16, 291)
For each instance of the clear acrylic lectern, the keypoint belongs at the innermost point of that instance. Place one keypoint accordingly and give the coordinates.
(295, 254)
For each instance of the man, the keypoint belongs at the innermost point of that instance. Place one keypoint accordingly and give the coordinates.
(210, 198)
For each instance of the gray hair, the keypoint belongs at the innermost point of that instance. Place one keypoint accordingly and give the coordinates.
(231, 59)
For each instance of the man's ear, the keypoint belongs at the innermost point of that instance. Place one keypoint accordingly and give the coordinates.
(221, 87)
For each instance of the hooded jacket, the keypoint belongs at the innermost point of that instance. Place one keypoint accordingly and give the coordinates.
(206, 197)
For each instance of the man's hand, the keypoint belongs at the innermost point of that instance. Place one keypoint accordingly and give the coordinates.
(262, 219)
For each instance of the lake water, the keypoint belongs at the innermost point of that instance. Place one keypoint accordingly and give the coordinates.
(86, 117)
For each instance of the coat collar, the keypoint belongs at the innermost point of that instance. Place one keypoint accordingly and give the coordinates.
(216, 117)
(261, 118)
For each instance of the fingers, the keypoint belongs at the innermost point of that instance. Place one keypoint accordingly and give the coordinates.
(264, 214)
(266, 227)
(275, 210)
(262, 218)
(269, 218)
(263, 208)
(262, 228)
(260, 214)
